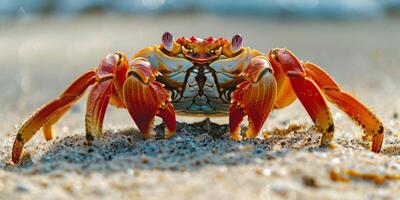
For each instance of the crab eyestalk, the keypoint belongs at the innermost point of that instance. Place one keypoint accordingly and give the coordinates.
(236, 43)
(169, 43)
(231, 48)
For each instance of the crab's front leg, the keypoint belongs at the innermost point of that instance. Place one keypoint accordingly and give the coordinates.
(146, 98)
(253, 97)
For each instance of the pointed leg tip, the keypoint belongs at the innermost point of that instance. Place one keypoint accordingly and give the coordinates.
(167, 114)
(169, 133)
(15, 159)
(266, 135)
(89, 138)
(237, 138)
(377, 143)
(170, 129)
(48, 137)
(250, 135)
(332, 146)
(236, 116)
(17, 151)
(148, 134)
(377, 140)
(376, 150)
(48, 132)
(235, 135)
(328, 144)
(252, 131)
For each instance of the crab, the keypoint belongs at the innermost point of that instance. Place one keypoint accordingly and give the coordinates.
(203, 77)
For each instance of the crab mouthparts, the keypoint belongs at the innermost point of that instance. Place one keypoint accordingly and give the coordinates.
(203, 60)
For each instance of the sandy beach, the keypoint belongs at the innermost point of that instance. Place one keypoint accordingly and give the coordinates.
(40, 57)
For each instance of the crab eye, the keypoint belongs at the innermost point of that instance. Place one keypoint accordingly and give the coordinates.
(191, 50)
(212, 51)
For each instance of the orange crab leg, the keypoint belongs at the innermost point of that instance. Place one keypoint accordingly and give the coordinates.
(373, 128)
(100, 94)
(307, 91)
(48, 127)
(285, 94)
(102, 78)
(146, 98)
(254, 97)
(96, 107)
(50, 111)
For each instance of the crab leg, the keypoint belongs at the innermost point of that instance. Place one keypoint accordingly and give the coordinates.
(373, 128)
(100, 94)
(254, 97)
(48, 127)
(50, 113)
(285, 94)
(306, 90)
(146, 98)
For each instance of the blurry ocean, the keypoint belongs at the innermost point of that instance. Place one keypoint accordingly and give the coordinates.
(309, 9)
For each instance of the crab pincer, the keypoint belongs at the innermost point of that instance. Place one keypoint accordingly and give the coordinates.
(253, 97)
(146, 98)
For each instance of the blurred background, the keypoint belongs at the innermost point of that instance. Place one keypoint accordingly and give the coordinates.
(45, 44)
(340, 9)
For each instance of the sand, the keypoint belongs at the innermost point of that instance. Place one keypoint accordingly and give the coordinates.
(40, 57)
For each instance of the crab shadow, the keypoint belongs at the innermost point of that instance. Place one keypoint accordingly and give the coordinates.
(192, 148)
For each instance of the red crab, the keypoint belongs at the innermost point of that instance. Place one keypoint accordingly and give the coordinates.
(203, 76)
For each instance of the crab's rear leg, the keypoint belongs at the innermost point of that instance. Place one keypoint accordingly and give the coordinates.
(50, 113)
(307, 91)
(253, 97)
(373, 128)
(146, 98)
(48, 127)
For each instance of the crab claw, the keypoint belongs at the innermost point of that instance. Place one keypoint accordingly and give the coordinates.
(254, 97)
(146, 98)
